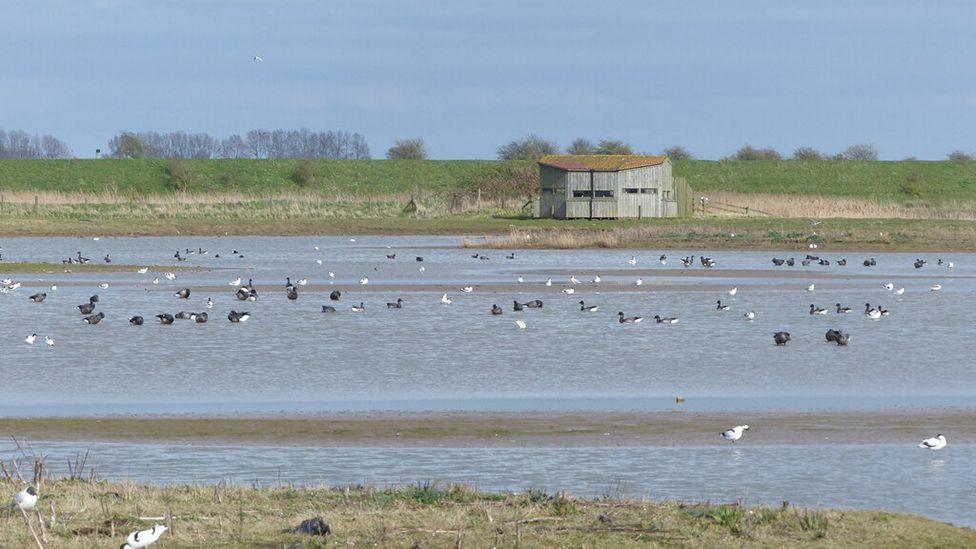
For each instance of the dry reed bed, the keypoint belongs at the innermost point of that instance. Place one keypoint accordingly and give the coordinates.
(814, 206)
(89, 513)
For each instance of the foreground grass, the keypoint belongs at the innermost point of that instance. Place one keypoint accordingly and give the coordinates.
(100, 515)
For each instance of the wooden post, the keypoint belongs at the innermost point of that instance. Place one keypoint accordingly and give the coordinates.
(35, 203)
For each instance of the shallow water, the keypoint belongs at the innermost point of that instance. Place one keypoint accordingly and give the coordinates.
(893, 477)
(291, 357)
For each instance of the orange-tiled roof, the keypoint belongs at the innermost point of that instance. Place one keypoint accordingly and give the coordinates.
(600, 162)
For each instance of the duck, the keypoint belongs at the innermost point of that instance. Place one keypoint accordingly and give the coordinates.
(735, 433)
(842, 262)
(870, 262)
(165, 318)
(242, 294)
(517, 306)
(136, 320)
(843, 339)
(446, 300)
(335, 295)
(781, 338)
(496, 310)
(391, 257)
(292, 293)
(534, 304)
(510, 256)
(238, 317)
(94, 319)
(628, 319)
(817, 310)
(663, 259)
(184, 315)
(919, 263)
(328, 309)
(38, 298)
(790, 262)
(751, 315)
(720, 307)
(841, 310)
(587, 308)
(201, 318)
(358, 308)
(398, 304)
(419, 259)
(937, 442)
(832, 335)
(144, 538)
(183, 294)
(665, 320)
(778, 262)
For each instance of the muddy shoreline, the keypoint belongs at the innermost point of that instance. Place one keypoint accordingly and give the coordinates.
(528, 429)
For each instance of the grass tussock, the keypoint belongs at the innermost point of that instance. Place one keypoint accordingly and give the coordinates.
(91, 513)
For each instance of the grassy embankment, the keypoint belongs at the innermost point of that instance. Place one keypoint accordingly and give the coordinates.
(917, 205)
(97, 514)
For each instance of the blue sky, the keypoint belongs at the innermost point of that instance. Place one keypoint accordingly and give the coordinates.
(470, 75)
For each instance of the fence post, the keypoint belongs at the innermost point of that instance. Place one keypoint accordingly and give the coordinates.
(35, 203)
(639, 212)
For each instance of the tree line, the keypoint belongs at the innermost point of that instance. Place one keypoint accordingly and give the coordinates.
(20, 144)
(259, 143)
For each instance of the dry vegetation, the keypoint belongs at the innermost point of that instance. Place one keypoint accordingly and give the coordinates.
(84, 513)
(819, 207)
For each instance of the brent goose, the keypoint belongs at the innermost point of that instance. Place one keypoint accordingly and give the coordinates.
(496, 310)
(665, 320)
(781, 337)
(136, 320)
(628, 319)
(165, 318)
(328, 309)
(398, 304)
(94, 319)
(38, 298)
(588, 308)
(183, 294)
(335, 295)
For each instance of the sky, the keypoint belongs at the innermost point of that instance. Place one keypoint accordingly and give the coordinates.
(470, 75)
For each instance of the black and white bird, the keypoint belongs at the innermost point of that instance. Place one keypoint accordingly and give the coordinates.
(165, 318)
(720, 307)
(358, 308)
(30, 339)
(735, 433)
(201, 318)
(292, 293)
(937, 442)
(136, 320)
(328, 309)
(628, 319)
(665, 319)
(814, 310)
(25, 499)
(144, 538)
(238, 317)
(38, 298)
(183, 294)
(841, 310)
(94, 319)
(398, 304)
(584, 307)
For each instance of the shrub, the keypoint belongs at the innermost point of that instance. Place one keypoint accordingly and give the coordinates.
(303, 175)
(408, 149)
(678, 152)
(815, 522)
(179, 176)
(807, 153)
(861, 151)
(913, 185)
(959, 156)
(749, 152)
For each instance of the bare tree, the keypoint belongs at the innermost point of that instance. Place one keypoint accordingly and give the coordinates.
(408, 149)
(678, 152)
(581, 146)
(530, 147)
(960, 156)
(861, 151)
(807, 153)
(749, 152)
(613, 146)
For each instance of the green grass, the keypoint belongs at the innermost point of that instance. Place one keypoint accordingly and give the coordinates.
(100, 514)
(141, 177)
(939, 181)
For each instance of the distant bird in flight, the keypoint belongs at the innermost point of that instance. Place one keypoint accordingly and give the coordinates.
(258, 59)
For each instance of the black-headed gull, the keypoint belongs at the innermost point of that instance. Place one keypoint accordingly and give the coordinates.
(26, 499)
